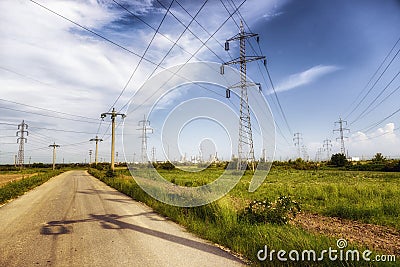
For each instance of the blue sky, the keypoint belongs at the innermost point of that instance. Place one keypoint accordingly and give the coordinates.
(320, 54)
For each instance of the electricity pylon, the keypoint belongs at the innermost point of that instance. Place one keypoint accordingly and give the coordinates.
(296, 139)
(21, 140)
(341, 131)
(97, 140)
(327, 147)
(54, 146)
(245, 146)
(153, 154)
(113, 115)
(145, 129)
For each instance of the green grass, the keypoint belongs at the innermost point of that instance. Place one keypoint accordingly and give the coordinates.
(370, 197)
(16, 188)
(320, 192)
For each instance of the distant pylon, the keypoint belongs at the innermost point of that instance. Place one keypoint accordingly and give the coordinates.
(245, 146)
(296, 139)
(153, 154)
(145, 129)
(21, 140)
(341, 131)
(327, 147)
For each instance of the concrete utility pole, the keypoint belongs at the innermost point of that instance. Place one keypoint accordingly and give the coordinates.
(54, 146)
(245, 146)
(297, 138)
(327, 147)
(113, 115)
(341, 131)
(90, 156)
(21, 140)
(145, 129)
(97, 140)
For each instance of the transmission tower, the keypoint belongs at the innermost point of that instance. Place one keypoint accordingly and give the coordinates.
(113, 115)
(245, 146)
(305, 153)
(153, 154)
(327, 147)
(145, 128)
(21, 140)
(341, 131)
(318, 155)
(297, 140)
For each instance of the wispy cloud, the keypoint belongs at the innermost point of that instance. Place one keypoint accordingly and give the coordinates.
(306, 77)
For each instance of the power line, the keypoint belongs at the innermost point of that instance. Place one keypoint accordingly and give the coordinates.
(144, 53)
(363, 113)
(179, 69)
(50, 110)
(46, 115)
(372, 87)
(372, 77)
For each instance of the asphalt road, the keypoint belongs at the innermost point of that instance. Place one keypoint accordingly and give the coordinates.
(76, 220)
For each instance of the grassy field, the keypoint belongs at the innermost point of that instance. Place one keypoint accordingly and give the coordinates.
(371, 197)
(22, 182)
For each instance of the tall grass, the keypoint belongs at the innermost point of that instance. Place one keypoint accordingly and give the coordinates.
(218, 222)
(16, 188)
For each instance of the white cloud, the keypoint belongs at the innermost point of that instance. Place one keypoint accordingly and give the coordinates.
(304, 78)
(384, 140)
(73, 71)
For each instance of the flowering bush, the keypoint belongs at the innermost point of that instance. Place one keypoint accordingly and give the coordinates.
(281, 211)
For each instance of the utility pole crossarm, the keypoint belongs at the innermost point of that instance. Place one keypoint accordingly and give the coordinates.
(242, 35)
(247, 58)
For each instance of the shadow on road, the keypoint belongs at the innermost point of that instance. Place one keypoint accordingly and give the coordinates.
(113, 221)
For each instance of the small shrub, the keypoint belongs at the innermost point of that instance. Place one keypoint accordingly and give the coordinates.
(164, 166)
(110, 173)
(281, 211)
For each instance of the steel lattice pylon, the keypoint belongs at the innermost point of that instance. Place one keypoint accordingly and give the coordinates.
(245, 145)
(21, 140)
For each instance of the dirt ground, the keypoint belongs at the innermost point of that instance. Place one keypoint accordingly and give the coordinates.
(5, 178)
(374, 237)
